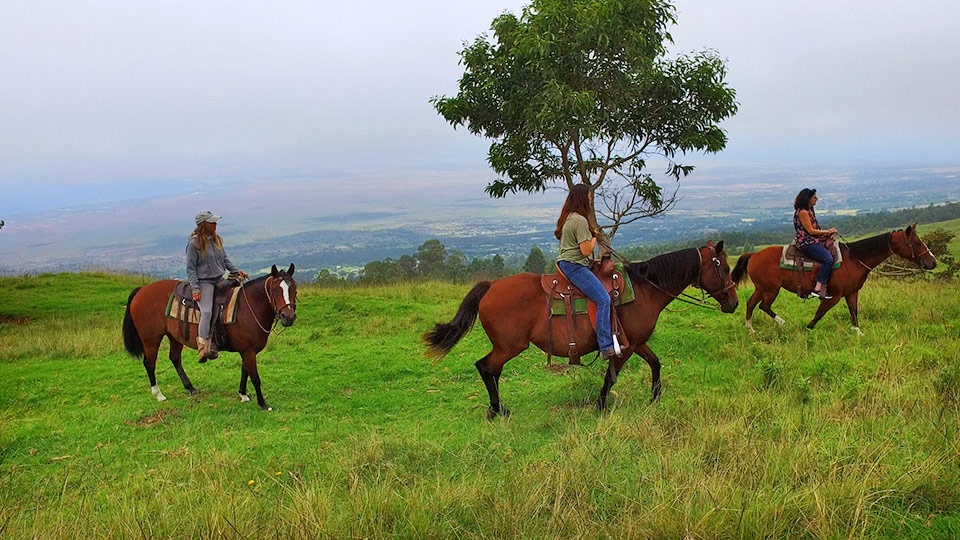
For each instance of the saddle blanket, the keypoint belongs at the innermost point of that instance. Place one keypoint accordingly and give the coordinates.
(185, 309)
(580, 304)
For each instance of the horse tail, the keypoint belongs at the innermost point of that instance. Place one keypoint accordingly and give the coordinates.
(131, 337)
(443, 337)
(740, 270)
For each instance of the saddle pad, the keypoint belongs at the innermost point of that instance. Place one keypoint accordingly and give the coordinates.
(787, 262)
(187, 310)
(557, 306)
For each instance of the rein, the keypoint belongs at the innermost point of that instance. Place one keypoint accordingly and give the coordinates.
(901, 271)
(690, 299)
(276, 313)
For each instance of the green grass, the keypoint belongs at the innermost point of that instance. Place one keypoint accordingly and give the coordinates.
(785, 434)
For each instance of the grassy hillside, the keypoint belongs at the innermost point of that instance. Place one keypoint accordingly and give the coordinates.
(786, 434)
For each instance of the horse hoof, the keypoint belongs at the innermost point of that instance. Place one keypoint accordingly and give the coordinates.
(492, 414)
(155, 390)
(244, 398)
(267, 408)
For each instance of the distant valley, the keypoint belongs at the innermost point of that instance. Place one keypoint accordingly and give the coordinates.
(349, 219)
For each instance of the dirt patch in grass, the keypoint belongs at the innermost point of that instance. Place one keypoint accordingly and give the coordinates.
(151, 419)
(13, 319)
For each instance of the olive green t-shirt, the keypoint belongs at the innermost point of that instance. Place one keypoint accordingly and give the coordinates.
(575, 231)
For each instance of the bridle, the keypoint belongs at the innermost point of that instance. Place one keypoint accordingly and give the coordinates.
(693, 300)
(276, 310)
(715, 262)
(914, 256)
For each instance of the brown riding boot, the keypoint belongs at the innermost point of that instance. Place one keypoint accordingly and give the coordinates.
(203, 349)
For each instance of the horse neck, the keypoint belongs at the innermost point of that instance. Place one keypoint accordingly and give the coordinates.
(666, 276)
(871, 251)
(254, 296)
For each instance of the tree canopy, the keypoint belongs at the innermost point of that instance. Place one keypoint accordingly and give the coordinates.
(582, 91)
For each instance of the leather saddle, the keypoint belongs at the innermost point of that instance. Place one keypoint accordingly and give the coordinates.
(560, 291)
(793, 258)
(184, 308)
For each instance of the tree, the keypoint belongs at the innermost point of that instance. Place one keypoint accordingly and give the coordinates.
(381, 272)
(581, 91)
(431, 259)
(487, 269)
(536, 262)
(326, 278)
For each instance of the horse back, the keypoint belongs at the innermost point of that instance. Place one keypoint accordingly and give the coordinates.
(764, 266)
(148, 307)
(514, 302)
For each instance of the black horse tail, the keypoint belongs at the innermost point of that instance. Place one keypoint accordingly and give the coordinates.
(740, 270)
(443, 337)
(131, 338)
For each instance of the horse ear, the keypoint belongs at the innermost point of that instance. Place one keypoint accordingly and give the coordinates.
(273, 271)
(911, 229)
(720, 246)
(291, 270)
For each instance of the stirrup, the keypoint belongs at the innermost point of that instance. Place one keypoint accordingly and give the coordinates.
(616, 345)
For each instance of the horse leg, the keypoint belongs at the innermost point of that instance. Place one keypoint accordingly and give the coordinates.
(654, 362)
(150, 351)
(852, 305)
(243, 385)
(490, 367)
(176, 354)
(766, 305)
(249, 368)
(825, 306)
(613, 371)
(751, 303)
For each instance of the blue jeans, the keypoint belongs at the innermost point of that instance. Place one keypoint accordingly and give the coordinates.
(821, 254)
(583, 279)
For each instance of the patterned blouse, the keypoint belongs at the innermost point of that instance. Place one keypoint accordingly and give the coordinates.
(803, 237)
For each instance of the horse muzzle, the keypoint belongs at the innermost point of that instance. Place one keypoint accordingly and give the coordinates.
(729, 305)
(287, 317)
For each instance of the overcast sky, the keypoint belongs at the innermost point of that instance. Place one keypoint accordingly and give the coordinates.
(148, 91)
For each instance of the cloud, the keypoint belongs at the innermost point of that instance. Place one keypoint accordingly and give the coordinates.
(101, 91)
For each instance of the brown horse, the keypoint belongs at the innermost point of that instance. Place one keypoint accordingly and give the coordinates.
(514, 312)
(858, 259)
(261, 302)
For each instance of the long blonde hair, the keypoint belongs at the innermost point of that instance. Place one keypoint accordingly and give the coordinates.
(202, 240)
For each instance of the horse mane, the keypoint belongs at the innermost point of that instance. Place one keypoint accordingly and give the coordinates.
(670, 271)
(875, 244)
(256, 281)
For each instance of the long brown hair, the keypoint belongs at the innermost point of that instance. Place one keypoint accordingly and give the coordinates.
(578, 202)
(201, 237)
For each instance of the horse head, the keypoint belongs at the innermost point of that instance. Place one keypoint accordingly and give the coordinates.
(908, 245)
(715, 277)
(282, 291)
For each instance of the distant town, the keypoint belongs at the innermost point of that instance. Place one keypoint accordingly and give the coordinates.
(340, 234)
